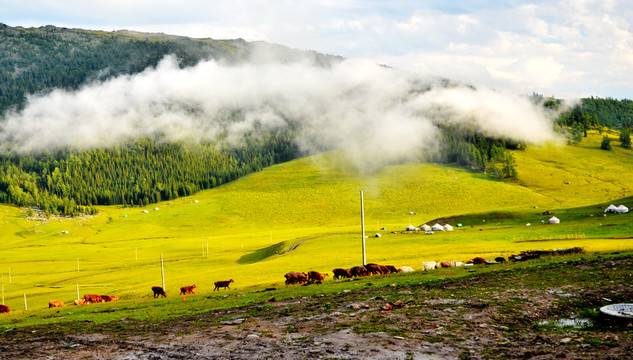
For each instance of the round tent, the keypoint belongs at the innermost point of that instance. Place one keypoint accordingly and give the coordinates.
(425, 227)
(553, 220)
(437, 227)
(611, 209)
(447, 227)
(622, 209)
(411, 228)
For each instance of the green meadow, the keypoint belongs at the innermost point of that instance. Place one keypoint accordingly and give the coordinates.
(243, 230)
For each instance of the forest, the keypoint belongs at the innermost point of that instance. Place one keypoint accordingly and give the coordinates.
(136, 173)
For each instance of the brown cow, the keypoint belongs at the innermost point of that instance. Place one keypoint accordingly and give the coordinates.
(295, 277)
(80, 302)
(55, 303)
(108, 298)
(339, 273)
(93, 299)
(358, 271)
(479, 260)
(4, 309)
(187, 290)
(392, 269)
(445, 264)
(317, 277)
(158, 291)
(222, 284)
(373, 269)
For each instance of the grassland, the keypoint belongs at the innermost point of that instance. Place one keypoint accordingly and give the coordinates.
(249, 224)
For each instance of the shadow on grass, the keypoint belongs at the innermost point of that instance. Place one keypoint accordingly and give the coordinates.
(261, 254)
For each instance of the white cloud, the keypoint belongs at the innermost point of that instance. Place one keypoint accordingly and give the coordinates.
(373, 114)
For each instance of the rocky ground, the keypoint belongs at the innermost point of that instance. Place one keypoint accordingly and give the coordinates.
(546, 312)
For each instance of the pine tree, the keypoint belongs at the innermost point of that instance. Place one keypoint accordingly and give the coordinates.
(606, 143)
(625, 138)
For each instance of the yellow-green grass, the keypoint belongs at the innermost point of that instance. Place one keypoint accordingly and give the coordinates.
(250, 223)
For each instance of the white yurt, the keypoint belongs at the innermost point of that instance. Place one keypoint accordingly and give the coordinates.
(437, 227)
(411, 228)
(622, 209)
(553, 220)
(611, 209)
(425, 227)
(447, 227)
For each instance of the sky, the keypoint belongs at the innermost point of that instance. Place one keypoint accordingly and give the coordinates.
(563, 48)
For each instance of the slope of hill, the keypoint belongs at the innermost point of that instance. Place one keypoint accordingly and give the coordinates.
(242, 230)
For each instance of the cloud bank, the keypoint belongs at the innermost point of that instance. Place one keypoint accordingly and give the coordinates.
(369, 111)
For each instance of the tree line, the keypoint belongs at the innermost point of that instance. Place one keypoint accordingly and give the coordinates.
(136, 173)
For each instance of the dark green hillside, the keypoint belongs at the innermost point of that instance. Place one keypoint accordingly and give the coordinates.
(592, 112)
(36, 60)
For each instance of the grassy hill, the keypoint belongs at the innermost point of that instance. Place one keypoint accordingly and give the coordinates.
(251, 223)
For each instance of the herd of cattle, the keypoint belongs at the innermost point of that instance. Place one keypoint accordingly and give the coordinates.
(312, 277)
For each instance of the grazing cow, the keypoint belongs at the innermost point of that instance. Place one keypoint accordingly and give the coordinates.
(55, 303)
(108, 298)
(406, 269)
(158, 291)
(294, 277)
(429, 265)
(339, 273)
(220, 284)
(4, 309)
(358, 271)
(479, 261)
(187, 290)
(500, 259)
(80, 302)
(316, 277)
(93, 299)
(445, 264)
(391, 269)
(373, 269)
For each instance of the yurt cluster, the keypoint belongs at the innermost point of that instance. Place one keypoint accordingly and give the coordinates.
(553, 220)
(617, 209)
(425, 227)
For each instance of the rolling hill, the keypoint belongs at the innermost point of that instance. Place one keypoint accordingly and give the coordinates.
(242, 230)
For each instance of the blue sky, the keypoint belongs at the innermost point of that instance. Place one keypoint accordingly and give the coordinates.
(565, 48)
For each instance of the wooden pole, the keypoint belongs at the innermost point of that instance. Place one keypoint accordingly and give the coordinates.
(77, 290)
(25, 306)
(362, 220)
(162, 271)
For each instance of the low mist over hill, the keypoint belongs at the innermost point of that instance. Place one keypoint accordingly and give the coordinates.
(164, 116)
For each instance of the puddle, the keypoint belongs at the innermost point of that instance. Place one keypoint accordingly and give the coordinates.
(566, 322)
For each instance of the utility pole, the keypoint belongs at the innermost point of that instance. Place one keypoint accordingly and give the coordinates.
(362, 220)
